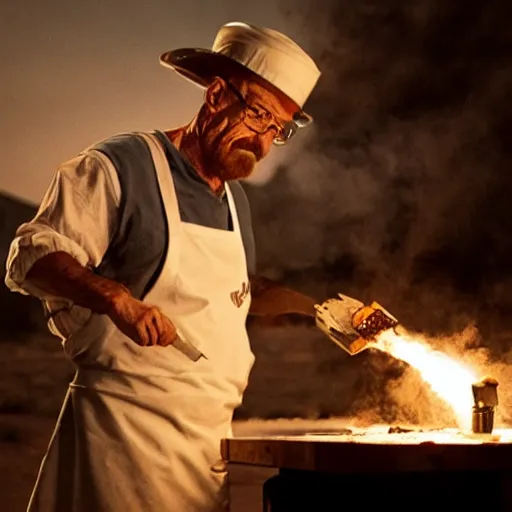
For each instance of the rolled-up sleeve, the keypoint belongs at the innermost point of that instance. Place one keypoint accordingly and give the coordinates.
(78, 215)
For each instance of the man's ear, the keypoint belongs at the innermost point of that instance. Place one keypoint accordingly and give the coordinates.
(215, 95)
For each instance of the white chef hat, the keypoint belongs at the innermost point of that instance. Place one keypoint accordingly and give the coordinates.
(238, 47)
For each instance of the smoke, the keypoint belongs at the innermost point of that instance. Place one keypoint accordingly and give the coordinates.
(401, 192)
(406, 173)
(410, 401)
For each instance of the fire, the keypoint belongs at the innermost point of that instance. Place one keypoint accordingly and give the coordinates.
(451, 380)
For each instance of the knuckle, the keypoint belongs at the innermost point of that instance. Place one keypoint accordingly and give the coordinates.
(147, 314)
(151, 313)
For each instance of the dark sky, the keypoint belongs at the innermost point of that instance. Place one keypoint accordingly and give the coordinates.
(75, 72)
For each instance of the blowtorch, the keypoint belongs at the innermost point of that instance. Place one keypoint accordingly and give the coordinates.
(352, 325)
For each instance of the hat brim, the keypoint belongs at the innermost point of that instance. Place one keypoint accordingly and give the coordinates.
(202, 66)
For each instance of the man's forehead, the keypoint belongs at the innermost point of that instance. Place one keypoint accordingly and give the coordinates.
(270, 100)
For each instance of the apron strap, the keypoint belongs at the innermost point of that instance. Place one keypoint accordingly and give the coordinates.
(170, 201)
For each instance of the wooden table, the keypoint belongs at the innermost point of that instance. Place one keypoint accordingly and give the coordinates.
(329, 472)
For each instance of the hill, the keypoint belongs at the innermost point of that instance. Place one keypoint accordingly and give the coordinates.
(21, 315)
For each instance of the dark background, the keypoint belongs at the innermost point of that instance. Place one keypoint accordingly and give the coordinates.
(400, 193)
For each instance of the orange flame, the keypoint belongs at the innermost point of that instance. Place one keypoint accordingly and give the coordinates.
(451, 380)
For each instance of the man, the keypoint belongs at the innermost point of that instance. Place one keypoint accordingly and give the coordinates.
(141, 252)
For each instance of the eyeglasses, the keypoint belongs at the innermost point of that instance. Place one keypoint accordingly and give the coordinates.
(260, 120)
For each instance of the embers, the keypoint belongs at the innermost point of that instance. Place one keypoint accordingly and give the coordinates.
(375, 323)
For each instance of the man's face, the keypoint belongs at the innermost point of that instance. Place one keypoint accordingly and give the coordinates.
(244, 119)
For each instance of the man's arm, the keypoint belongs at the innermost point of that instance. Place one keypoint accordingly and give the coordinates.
(272, 300)
(51, 255)
(269, 300)
(77, 215)
(60, 275)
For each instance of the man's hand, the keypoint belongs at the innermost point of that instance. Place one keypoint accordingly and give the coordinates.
(143, 323)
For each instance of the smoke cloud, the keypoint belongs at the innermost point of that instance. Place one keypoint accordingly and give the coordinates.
(401, 191)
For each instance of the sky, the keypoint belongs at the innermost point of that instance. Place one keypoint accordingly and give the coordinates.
(76, 72)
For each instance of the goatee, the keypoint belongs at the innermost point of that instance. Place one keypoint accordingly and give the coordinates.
(238, 164)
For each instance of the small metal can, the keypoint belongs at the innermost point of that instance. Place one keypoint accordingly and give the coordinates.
(485, 396)
(483, 420)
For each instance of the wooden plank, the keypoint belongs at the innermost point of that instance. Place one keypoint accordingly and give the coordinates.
(347, 457)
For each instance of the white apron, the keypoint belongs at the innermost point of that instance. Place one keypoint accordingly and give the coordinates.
(141, 427)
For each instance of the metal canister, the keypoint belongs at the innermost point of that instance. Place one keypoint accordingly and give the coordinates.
(483, 420)
(485, 396)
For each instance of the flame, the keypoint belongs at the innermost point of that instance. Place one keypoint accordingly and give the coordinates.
(451, 380)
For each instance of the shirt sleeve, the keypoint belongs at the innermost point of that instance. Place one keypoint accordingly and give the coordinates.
(78, 216)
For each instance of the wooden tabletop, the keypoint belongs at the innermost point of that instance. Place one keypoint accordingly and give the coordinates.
(339, 455)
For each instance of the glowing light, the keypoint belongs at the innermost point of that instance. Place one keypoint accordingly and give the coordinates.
(450, 379)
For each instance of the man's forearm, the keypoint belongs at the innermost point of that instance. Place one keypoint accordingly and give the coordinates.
(59, 274)
(270, 299)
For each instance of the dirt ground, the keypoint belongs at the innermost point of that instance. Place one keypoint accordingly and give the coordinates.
(23, 441)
